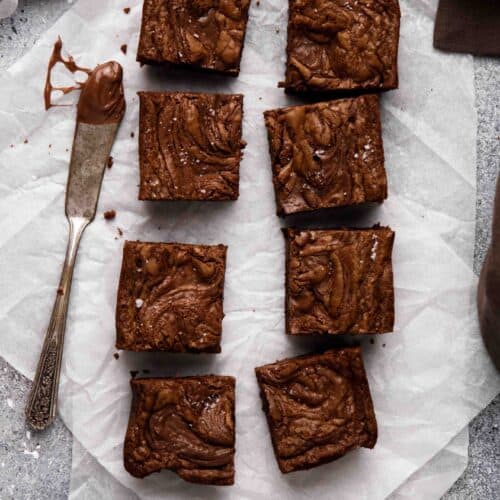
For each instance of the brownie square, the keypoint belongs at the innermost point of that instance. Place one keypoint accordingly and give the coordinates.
(203, 34)
(190, 146)
(328, 154)
(185, 425)
(339, 281)
(170, 297)
(339, 45)
(318, 407)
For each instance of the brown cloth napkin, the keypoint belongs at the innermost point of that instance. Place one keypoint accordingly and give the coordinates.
(488, 294)
(470, 26)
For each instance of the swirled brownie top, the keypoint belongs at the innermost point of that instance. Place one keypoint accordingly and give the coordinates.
(342, 45)
(328, 154)
(185, 425)
(170, 297)
(190, 146)
(318, 407)
(339, 281)
(205, 34)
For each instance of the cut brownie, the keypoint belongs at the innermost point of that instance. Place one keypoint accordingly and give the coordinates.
(339, 281)
(190, 146)
(170, 297)
(204, 34)
(318, 407)
(182, 424)
(342, 45)
(328, 154)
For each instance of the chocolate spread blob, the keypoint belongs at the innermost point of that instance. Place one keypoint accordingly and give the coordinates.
(101, 100)
(488, 294)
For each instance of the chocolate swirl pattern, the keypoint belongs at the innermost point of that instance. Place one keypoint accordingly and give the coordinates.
(185, 425)
(190, 146)
(318, 407)
(342, 45)
(207, 34)
(339, 281)
(328, 154)
(170, 297)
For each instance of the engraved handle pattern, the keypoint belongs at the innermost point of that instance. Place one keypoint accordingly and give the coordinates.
(42, 402)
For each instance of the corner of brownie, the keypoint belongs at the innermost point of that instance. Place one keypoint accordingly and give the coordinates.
(190, 146)
(342, 45)
(339, 281)
(318, 407)
(206, 35)
(186, 425)
(170, 297)
(328, 154)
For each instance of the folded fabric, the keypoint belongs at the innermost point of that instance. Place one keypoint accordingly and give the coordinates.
(470, 26)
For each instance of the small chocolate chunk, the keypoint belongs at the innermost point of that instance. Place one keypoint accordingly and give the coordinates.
(109, 214)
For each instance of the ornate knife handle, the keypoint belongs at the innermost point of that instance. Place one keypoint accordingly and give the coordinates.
(42, 402)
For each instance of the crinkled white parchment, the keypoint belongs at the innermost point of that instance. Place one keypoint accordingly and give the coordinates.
(428, 381)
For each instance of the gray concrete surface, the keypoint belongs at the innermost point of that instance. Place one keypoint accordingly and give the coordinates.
(481, 479)
(33, 465)
(39, 467)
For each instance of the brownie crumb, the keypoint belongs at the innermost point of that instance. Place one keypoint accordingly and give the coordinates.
(123, 48)
(258, 3)
(120, 232)
(116, 355)
(110, 162)
(132, 134)
(60, 291)
(12, 145)
(383, 345)
(126, 10)
(109, 214)
(372, 341)
(146, 371)
(25, 141)
(50, 145)
(134, 373)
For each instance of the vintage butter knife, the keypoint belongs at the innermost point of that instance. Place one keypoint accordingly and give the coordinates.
(100, 109)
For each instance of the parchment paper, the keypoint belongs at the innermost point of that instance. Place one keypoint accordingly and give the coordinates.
(431, 377)
(90, 480)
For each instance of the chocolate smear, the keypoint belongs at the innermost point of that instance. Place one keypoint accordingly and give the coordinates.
(101, 100)
(70, 64)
